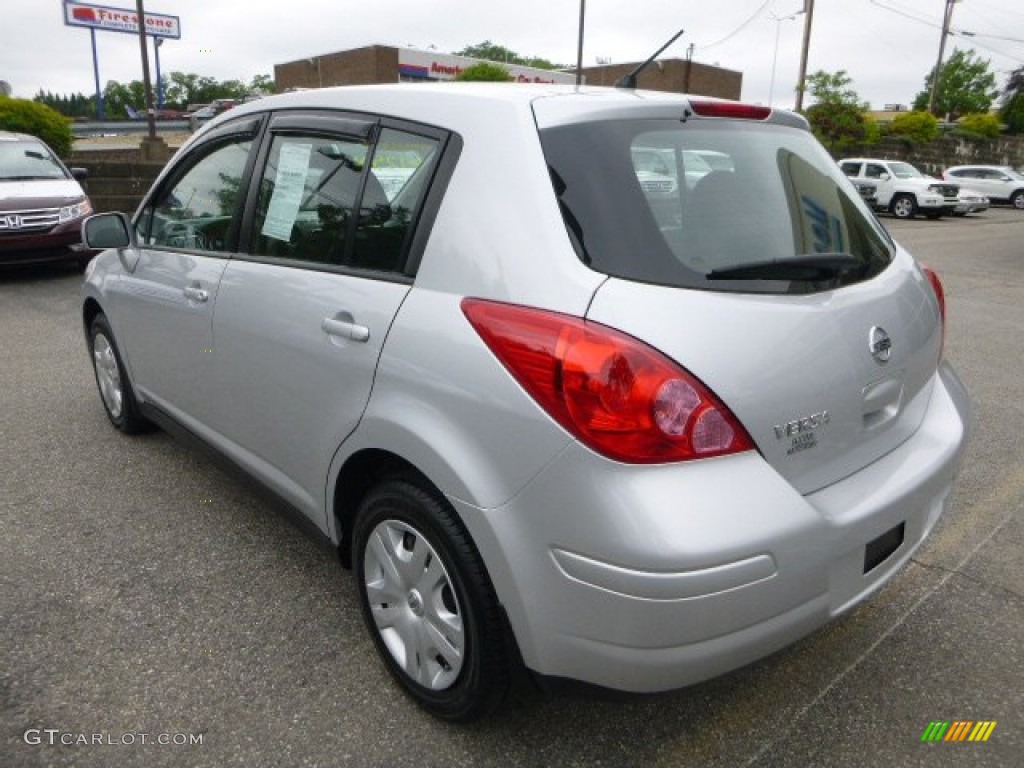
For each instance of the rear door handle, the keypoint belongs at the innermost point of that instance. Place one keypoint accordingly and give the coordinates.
(344, 326)
(196, 294)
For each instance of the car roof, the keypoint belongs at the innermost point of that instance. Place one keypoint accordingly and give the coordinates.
(457, 104)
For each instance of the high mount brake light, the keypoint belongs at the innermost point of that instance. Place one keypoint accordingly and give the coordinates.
(620, 397)
(730, 109)
(940, 295)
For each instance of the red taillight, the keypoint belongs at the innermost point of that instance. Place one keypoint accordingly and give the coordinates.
(940, 296)
(619, 396)
(730, 109)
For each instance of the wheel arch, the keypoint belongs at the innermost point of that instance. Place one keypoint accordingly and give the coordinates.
(357, 476)
(90, 309)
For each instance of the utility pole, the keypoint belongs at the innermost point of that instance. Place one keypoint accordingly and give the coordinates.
(152, 148)
(689, 68)
(800, 85)
(946, 21)
(150, 114)
(579, 45)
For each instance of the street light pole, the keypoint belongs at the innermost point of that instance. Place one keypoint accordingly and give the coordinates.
(157, 42)
(775, 55)
(800, 85)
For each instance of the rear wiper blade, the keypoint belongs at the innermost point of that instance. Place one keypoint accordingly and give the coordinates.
(811, 267)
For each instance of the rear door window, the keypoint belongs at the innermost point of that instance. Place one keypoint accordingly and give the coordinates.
(342, 201)
(307, 197)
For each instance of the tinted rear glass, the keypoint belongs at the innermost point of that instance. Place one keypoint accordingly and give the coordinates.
(667, 202)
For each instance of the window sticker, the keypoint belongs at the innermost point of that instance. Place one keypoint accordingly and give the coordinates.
(289, 184)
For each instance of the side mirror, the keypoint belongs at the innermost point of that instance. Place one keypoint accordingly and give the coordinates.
(107, 230)
(80, 174)
(112, 230)
(884, 177)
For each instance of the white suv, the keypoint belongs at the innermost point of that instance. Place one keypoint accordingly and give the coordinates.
(902, 189)
(1000, 183)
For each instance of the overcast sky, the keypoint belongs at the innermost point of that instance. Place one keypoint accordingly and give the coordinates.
(886, 53)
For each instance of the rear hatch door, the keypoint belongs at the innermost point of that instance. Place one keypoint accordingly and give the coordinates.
(802, 373)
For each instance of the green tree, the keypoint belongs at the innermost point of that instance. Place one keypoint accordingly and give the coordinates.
(918, 126)
(485, 71)
(262, 84)
(966, 85)
(183, 89)
(837, 115)
(493, 52)
(69, 105)
(25, 116)
(1012, 109)
(117, 96)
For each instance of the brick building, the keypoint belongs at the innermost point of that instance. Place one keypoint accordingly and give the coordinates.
(673, 75)
(389, 64)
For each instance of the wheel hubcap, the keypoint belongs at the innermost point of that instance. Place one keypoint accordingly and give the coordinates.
(107, 375)
(413, 603)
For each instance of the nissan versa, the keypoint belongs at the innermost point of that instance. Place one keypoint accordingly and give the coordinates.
(556, 418)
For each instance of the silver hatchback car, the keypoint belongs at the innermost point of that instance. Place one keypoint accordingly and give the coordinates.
(556, 422)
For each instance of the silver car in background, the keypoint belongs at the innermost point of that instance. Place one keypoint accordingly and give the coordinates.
(558, 421)
(1000, 183)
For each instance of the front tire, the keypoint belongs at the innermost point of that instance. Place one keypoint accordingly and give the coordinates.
(1017, 200)
(428, 602)
(903, 206)
(115, 389)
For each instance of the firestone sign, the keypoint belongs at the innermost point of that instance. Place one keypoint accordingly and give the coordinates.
(104, 17)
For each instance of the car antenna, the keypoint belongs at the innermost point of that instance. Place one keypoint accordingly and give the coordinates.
(629, 81)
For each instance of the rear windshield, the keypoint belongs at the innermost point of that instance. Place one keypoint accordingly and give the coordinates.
(691, 204)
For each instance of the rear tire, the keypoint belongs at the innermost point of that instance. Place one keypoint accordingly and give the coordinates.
(1017, 199)
(903, 206)
(115, 389)
(428, 602)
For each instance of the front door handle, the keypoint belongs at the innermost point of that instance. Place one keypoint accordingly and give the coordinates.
(196, 294)
(344, 326)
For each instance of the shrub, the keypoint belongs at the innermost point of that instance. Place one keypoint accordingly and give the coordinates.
(981, 123)
(872, 130)
(485, 71)
(917, 126)
(39, 120)
(839, 126)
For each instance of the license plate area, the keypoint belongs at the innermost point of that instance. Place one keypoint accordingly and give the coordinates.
(879, 549)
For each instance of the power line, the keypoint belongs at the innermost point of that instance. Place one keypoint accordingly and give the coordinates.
(738, 29)
(961, 33)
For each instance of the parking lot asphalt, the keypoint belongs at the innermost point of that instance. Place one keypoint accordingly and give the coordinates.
(145, 591)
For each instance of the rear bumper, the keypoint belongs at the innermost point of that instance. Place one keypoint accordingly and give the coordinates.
(653, 578)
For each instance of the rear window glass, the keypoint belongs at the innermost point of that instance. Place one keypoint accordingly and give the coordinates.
(685, 204)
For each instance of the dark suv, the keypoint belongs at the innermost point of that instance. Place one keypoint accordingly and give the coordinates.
(42, 204)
